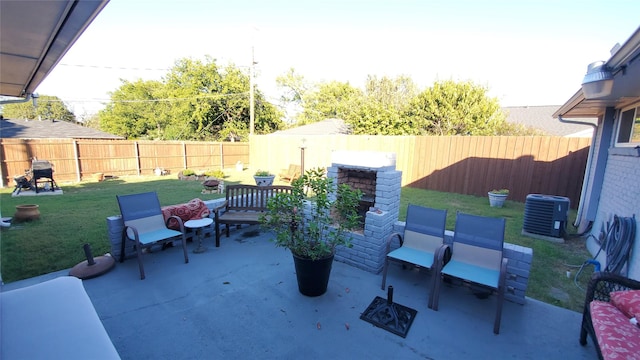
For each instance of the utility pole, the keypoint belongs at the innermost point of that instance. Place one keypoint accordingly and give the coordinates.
(252, 99)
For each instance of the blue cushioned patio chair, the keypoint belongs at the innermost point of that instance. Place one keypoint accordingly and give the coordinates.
(423, 236)
(144, 224)
(476, 258)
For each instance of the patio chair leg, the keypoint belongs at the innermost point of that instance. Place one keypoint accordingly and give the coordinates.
(496, 325)
(217, 231)
(139, 252)
(184, 248)
(583, 328)
(501, 289)
(432, 287)
(435, 294)
(384, 272)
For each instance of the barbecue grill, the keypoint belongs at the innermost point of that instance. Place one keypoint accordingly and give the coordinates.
(40, 169)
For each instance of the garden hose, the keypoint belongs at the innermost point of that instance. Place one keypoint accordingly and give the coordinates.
(619, 243)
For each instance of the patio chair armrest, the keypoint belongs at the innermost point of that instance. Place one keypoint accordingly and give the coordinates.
(442, 256)
(178, 219)
(390, 240)
(125, 232)
(216, 210)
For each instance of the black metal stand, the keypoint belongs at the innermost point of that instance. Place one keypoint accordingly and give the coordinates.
(387, 315)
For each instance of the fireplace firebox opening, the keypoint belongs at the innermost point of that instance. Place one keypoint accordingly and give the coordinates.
(363, 180)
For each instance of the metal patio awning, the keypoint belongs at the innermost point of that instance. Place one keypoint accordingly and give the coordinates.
(35, 35)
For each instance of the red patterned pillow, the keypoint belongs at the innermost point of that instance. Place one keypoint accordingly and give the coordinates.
(627, 301)
(194, 209)
(198, 209)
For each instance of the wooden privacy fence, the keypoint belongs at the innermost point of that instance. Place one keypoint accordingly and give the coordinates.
(460, 164)
(470, 165)
(75, 160)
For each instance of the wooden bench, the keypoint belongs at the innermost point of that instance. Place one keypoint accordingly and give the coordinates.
(243, 205)
(291, 174)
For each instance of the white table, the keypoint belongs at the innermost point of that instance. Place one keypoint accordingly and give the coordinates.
(197, 225)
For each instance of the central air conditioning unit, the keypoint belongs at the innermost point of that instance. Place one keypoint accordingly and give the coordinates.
(546, 215)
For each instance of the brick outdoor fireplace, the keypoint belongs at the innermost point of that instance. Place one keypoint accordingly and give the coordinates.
(375, 174)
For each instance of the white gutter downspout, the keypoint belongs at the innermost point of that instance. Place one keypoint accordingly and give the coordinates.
(589, 161)
(18, 101)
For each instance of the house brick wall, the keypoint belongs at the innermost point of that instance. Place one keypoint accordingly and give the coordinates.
(621, 196)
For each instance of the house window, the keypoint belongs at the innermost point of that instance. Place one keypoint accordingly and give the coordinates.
(629, 129)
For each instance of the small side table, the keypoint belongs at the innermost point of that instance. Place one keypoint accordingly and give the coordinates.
(197, 225)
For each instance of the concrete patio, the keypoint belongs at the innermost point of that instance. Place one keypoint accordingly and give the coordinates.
(241, 301)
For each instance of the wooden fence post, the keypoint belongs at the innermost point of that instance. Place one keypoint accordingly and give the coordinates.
(184, 155)
(221, 156)
(76, 157)
(137, 154)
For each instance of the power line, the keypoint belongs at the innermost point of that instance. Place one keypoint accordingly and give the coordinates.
(129, 68)
(114, 67)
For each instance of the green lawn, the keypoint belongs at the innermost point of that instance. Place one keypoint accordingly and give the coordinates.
(79, 216)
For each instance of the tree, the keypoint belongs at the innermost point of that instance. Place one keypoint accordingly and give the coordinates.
(133, 111)
(331, 100)
(380, 111)
(48, 108)
(389, 92)
(457, 108)
(196, 100)
(294, 88)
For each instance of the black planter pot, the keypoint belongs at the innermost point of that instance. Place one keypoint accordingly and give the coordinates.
(313, 275)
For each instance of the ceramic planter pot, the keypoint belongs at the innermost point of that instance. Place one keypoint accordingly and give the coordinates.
(264, 180)
(497, 200)
(313, 275)
(26, 213)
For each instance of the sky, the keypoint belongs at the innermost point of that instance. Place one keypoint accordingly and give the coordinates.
(526, 53)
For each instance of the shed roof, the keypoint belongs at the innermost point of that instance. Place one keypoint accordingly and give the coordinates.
(324, 127)
(541, 117)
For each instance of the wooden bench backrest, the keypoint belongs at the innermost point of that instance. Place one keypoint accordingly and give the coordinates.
(252, 197)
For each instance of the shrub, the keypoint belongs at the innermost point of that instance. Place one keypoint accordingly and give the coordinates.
(500, 192)
(263, 173)
(218, 174)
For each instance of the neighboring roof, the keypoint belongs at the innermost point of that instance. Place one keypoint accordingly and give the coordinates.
(324, 127)
(625, 66)
(35, 35)
(39, 129)
(541, 117)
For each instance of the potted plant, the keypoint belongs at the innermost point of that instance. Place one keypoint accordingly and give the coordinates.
(498, 197)
(263, 178)
(311, 222)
